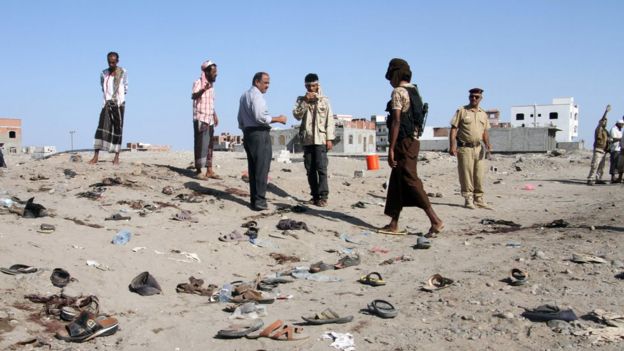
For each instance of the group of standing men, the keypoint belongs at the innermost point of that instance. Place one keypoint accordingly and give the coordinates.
(607, 142)
(317, 132)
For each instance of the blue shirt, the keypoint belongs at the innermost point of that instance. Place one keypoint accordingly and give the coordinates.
(252, 110)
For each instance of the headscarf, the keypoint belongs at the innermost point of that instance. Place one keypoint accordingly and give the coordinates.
(203, 78)
(397, 70)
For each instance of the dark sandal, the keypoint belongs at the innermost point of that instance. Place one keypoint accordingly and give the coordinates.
(86, 327)
(240, 329)
(383, 309)
(18, 269)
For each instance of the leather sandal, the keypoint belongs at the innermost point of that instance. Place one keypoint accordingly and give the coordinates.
(382, 308)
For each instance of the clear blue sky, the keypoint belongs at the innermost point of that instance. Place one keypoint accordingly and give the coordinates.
(520, 52)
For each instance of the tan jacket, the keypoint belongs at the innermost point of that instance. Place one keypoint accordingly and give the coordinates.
(601, 141)
(470, 124)
(317, 120)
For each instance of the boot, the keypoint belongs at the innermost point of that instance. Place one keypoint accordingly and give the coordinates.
(469, 204)
(590, 182)
(479, 202)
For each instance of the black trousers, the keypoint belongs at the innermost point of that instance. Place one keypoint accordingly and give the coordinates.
(315, 161)
(257, 143)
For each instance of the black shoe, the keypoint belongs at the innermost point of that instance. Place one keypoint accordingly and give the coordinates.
(600, 182)
(259, 207)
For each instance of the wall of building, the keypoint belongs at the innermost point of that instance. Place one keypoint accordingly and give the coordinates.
(507, 140)
(11, 134)
(348, 140)
(564, 109)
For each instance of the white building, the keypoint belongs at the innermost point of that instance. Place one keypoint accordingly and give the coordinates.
(562, 114)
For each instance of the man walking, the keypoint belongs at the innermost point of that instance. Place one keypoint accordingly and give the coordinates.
(615, 135)
(405, 118)
(114, 82)
(317, 135)
(254, 120)
(2, 163)
(469, 127)
(601, 146)
(204, 119)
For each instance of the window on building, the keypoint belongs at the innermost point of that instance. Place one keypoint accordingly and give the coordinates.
(12, 135)
(575, 116)
(553, 115)
(360, 139)
(519, 116)
(282, 140)
(351, 139)
(370, 140)
(539, 115)
(531, 115)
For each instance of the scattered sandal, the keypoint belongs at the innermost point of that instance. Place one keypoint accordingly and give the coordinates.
(383, 309)
(90, 304)
(46, 228)
(581, 258)
(253, 296)
(327, 316)
(18, 269)
(195, 286)
(117, 217)
(184, 216)
(145, 284)
(518, 277)
(280, 331)
(545, 313)
(87, 326)
(347, 261)
(372, 279)
(240, 330)
(60, 277)
(437, 282)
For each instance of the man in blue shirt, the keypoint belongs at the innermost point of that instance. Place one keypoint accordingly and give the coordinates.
(255, 122)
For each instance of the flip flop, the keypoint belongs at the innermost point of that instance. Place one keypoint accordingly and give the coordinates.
(268, 284)
(437, 282)
(545, 313)
(250, 224)
(60, 277)
(581, 258)
(195, 286)
(388, 231)
(233, 236)
(253, 296)
(18, 269)
(382, 308)
(145, 284)
(347, 261)
(433, 231)
(279, 331)
(372, 281)
(518, 277)
(46, 228)
(327, 316)
(184, 216)
(240, 330)
(87, 326)
(422, 243)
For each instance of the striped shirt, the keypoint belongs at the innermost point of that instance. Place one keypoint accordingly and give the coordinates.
(107, 80)
(203, 106)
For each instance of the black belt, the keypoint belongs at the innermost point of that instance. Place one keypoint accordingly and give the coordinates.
(462, 144)
(254, 129)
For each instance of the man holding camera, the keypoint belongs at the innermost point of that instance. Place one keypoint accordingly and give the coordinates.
(317, 133)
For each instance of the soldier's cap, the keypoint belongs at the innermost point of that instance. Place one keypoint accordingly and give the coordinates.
(476, 91)
(620, 121)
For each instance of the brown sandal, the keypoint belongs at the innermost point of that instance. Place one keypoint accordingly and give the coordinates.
(280, 331)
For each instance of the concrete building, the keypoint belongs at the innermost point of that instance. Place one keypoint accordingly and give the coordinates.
(11, 134)
(381, 133)
(353, 136)
(561, 114)
(227, 142)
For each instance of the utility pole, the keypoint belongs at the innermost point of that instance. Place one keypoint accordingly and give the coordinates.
(71, 134)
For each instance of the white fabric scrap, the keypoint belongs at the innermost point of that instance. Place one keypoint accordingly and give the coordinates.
(342, 341)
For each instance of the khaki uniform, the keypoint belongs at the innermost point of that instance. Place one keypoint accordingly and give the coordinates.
(470, 126)
(318, 118)
(599, 156)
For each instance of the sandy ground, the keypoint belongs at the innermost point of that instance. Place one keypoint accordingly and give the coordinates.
(461, 317)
